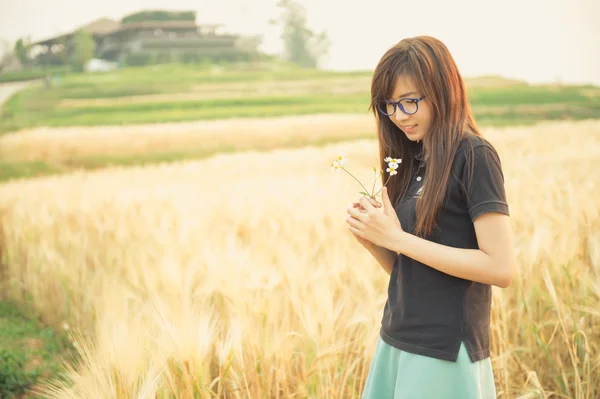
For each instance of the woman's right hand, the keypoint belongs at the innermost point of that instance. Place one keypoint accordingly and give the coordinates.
(356, 205)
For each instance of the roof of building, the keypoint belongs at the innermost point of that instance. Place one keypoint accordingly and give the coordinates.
(106, 26)
(101, 26)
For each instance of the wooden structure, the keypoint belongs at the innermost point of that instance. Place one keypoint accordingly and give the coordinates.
(147, 42)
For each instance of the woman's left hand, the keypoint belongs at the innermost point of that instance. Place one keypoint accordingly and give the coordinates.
(381, 228)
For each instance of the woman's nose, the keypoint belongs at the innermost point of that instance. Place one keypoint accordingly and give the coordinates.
(400, 116)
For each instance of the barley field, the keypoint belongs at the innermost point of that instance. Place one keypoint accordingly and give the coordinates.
(64, 145)
(236, 277)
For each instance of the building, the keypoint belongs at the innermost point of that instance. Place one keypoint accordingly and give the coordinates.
(143, 42)
(159, 41)
(56, 50)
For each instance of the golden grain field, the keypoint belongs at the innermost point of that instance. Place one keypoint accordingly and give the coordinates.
(67, 143)
(236, 277)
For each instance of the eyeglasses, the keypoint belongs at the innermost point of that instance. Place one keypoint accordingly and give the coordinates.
(407, 105)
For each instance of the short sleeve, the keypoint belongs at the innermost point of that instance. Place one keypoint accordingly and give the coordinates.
(483, 182)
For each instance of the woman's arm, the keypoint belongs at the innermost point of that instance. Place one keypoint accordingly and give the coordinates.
(385, 257)
(493, 263)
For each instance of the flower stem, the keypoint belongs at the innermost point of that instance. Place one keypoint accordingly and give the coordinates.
(344, 169)
(374, 181)
(383, 185)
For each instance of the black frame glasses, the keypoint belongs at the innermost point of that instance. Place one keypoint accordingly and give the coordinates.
(397, 104)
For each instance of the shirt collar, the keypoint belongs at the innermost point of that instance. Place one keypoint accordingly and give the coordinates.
(419, 156)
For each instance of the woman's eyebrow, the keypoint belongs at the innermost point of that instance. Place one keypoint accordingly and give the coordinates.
(408, 94)
(405, 94)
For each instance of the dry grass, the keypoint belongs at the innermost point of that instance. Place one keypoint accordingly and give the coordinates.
(62, 144)
(236, 277)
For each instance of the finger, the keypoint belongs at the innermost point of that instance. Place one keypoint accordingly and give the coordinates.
(352, 211)
(355, 223)
(355, 231)
(357, 205)
(367, 204)
(375, 203)
(350, 228)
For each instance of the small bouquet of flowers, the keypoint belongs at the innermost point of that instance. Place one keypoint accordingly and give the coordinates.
(392, 169)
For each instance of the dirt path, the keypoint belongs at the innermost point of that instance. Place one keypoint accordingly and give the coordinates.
(10, 88)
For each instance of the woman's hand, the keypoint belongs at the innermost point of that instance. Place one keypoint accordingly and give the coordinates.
(351, 211)
(372, 226)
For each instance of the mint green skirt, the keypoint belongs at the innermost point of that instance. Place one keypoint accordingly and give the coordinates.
(397, 374)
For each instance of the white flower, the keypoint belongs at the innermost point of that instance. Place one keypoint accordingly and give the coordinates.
(341, 160)
(392, 165)
(335, 166)
(392, 169)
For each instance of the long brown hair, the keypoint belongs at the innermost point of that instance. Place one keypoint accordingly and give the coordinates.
(428, 62)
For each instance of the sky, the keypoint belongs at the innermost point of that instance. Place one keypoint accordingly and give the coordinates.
(539, 41)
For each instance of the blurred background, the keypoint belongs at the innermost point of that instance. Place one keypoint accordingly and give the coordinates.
(170, 223)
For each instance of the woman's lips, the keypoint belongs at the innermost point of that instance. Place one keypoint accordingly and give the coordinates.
(409, 129)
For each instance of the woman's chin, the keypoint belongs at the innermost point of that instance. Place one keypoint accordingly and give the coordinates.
(413, 137)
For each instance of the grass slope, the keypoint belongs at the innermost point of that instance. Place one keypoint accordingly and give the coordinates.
(495, 101)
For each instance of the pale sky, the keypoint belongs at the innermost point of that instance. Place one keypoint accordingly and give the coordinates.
(534, 40)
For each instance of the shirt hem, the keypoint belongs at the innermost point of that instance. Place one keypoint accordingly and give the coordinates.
(420, 350)
(433, 353)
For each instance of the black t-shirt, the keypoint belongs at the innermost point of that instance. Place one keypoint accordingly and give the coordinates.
(429, 312)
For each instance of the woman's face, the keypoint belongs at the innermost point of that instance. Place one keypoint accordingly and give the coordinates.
(417, 125)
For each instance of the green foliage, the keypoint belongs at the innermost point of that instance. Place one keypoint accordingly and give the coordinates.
(532, 95)
(138, 59)
(22, 51)
(159, 15)
(62, 57)
(14, 378)
(84, 48)
(173, 78)
(496, 105)
(24, 75)
(26, 169)
(27, 107)
(29, 351)
(153, 112)
(303, 47)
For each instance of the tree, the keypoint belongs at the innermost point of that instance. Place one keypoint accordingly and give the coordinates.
(62, 54)
(84, 48)
(22, 51)
(302, 46)
(249, 46)
(159, 15)
(7, 55)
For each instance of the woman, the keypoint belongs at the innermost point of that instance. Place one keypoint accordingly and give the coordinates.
(447, 238)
